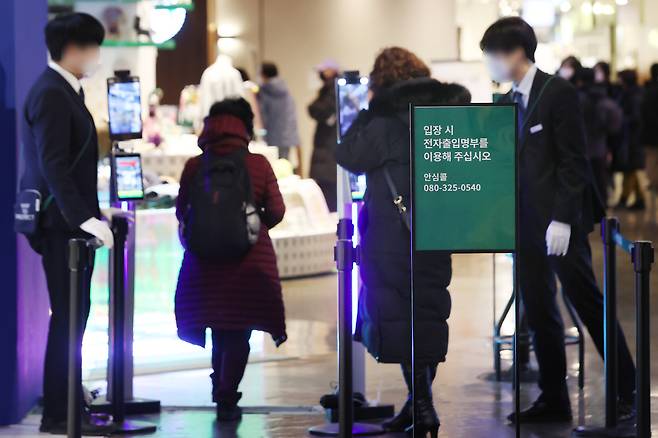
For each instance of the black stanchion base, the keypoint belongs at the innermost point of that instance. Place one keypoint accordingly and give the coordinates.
(364, 413)
(137, 406)
(528, 375)
(130, 427)
(621, 431)
(358, 429)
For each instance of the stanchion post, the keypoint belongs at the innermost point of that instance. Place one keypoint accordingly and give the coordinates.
(609, 227)
(78, 265)
(643, 258)
(120, 230)
(344, 263)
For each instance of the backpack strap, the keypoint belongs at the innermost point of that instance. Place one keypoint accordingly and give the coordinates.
(239, 158)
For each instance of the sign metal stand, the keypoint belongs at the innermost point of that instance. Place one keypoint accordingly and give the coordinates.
(464, 178)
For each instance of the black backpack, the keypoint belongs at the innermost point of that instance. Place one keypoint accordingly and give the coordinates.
(222, 222)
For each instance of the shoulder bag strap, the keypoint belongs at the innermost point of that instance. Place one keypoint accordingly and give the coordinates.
(398, 200)
(77, 159)
(536, 102)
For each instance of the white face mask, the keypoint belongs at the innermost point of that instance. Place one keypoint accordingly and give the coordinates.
(566, 72)
(91, 67)
(599, 77)
(499, 70)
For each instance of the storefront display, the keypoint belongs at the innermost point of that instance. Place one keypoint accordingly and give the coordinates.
(303, 242)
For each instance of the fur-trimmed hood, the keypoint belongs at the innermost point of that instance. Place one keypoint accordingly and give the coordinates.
(395, 100)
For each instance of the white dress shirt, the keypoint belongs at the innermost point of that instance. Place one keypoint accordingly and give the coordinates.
(525, 86)
(70, 77)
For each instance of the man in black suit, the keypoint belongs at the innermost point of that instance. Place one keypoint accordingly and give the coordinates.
(60, 161)
(557, 212)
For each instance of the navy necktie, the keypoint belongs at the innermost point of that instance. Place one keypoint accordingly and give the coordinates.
(82, 94)
(520, 114)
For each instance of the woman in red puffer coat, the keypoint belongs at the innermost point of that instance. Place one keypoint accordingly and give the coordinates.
(235, 297)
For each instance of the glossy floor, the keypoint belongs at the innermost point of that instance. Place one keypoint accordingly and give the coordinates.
(282, 395)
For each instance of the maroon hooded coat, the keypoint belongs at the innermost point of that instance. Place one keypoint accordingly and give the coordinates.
(242, 294)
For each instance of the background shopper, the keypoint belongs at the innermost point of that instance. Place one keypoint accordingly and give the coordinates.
(378, 141)
(278, 109)
(568, 68)
(635, 184)
(250, 93)
(603, 118)
(557, 212)
(60, 159)
(323, 111)
(235, 296)
(650, 126)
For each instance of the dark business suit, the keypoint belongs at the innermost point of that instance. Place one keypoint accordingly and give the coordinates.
(57, 128)
(556, 184)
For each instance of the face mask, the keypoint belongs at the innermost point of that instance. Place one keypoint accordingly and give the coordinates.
(499, 70)
(91, 67)
(566, 72)
(599, 77)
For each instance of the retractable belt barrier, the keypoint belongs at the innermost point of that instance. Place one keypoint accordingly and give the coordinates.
(81, 252)
(642, 257)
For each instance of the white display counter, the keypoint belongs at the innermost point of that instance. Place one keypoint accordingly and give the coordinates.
(303, 241)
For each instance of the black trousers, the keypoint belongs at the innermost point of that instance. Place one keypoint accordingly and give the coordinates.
(230, 353)
(601, 177)
(54, 253)
(538, 290)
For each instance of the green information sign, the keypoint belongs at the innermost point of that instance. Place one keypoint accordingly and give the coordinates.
(464, 178)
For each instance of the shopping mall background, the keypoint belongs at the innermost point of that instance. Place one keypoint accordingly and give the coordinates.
(297, 35)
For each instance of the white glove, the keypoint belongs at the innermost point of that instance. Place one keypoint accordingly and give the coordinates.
(100, 230)
(557, 238)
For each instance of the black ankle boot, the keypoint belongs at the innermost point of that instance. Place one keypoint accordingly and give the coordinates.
(426, 420)
(227, 406)
(404, 418)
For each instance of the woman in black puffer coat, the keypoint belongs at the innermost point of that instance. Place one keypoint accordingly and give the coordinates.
(378, 140)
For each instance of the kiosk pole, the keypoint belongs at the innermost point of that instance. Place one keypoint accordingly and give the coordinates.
(345, 255)
(120, 228)
(133, 405)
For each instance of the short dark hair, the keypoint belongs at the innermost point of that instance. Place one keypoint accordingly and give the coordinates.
(628, 77)
(584, 76)
(237, 107)
(604, 67)
(243, 74)
(572, 62)
(269, 70)
(508, 34)
(77, 28)
(654, 72)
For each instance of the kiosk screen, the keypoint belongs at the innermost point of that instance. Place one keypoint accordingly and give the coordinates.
(128, 173)
(352, 97)
(124, 108)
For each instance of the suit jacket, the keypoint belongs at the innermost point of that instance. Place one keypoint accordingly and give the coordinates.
(554, 174)
(57, 127)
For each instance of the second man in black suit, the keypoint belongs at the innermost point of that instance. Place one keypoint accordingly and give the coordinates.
(557, 211)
